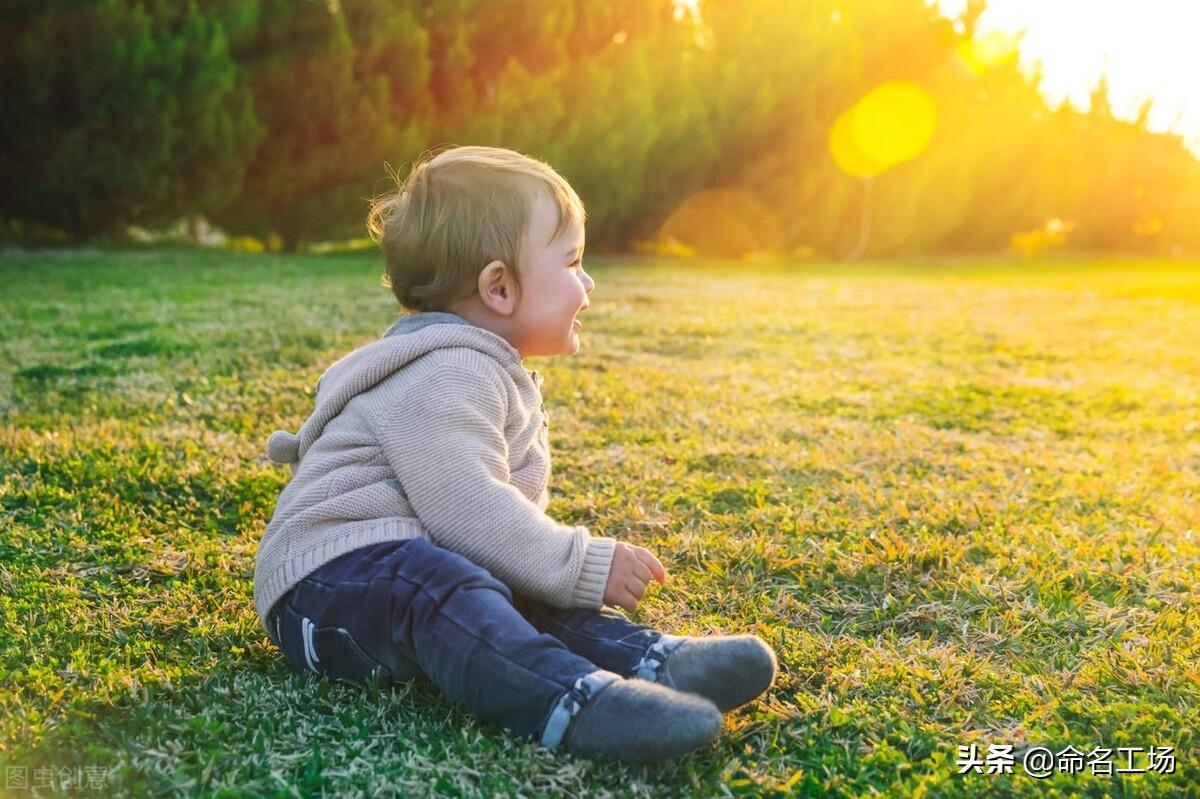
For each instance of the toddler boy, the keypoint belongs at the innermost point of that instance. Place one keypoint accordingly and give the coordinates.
(412, 540)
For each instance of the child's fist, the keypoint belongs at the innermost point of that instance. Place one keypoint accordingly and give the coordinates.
(632, 569)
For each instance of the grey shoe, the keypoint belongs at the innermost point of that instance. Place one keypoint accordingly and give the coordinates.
(634, 721)
(728, 670)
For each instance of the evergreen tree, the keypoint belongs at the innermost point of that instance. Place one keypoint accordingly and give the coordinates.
(616, 108)
(116, 113)
(215, 118)
(392, 68)
(280, 115)
(329, 128)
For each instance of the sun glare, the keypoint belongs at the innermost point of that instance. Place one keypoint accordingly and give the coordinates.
(687, 8)
(1146, 49)
(989, 50)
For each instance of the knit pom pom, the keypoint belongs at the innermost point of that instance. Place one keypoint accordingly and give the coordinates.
(283, 447)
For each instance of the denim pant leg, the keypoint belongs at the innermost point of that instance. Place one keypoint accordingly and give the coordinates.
(410, 602)
(605, 636)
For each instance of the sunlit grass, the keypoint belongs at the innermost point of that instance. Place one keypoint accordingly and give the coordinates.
(960, 500)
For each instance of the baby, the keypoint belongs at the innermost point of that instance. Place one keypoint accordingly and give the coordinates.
(412, 540)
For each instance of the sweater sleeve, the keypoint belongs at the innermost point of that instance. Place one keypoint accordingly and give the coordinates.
(446, 444)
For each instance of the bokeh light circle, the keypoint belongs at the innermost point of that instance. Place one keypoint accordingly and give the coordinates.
(891, 124)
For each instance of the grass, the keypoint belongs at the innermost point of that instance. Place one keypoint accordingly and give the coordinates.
(960, 500)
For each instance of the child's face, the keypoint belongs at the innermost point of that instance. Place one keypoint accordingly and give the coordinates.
(554, 287)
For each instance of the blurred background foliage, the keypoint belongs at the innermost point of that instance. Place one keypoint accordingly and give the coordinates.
(761, 127)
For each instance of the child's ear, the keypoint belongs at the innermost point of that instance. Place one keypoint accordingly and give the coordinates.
(497, 288)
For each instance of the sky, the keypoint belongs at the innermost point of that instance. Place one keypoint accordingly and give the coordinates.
(1148, 48)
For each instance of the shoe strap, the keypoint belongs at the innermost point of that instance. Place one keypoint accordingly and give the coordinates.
(570, 703)
(647, 668)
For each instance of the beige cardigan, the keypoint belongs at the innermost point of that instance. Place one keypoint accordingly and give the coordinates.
(435, 431)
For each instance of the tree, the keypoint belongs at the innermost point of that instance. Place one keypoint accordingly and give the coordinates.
(117, 113)
(328, 104)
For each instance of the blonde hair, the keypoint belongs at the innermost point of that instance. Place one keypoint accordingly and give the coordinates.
(458, 210)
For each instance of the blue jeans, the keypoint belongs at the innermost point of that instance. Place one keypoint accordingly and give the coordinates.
(409, 609)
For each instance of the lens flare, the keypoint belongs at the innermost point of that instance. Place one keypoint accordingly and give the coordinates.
(726, 223)
(891, 124)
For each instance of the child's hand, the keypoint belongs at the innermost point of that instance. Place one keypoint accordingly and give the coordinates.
(632, 568)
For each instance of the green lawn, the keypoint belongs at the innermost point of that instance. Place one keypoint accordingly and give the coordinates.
(962, 501)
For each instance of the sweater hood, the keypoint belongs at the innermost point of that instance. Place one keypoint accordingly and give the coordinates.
(408, 339)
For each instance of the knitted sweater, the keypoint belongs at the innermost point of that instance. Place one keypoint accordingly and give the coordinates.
(434, 431)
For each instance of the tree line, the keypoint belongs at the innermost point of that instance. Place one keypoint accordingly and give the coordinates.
(278, 117)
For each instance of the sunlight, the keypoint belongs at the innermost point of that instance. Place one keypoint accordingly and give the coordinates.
(990, 50)
(891, 124)
(687, 8)
(690, 10)
(1146, 49)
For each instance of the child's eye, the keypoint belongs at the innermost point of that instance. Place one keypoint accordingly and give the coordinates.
(575, 264)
